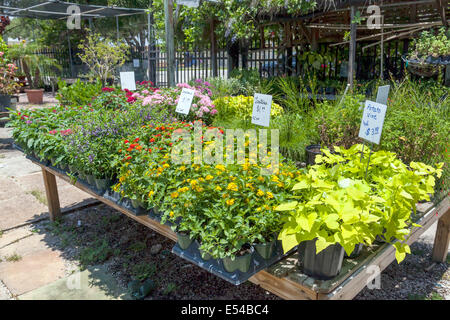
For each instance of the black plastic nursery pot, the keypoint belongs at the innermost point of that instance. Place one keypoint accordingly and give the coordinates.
(311, 152)
(184, 240)
(63, 166)
(325, 265)
(204, 254)
(241, 263)
(5, 102)
(267, 249)
(82, 176)
(90, 179)
(72, 168)
(356, 252)
(138, 207)
(102, 184)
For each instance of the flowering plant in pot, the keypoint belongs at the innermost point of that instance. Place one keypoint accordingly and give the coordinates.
(336, 205)
(202, 107)
(33, 65)
(8, 85)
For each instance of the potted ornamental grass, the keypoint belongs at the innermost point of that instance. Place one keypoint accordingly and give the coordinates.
(336, 207)
(8, 84)
(33, 65)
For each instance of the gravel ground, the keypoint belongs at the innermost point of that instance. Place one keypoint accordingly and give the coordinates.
(129, 250)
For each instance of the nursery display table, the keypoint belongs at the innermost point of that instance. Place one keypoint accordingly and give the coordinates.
(285, 278)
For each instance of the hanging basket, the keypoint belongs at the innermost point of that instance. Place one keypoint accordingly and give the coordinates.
(426, 67)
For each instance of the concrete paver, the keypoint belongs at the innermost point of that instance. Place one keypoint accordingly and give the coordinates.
(8, 188)
(14, 235)
(94, 283)
(32, 271)
(4, 292)
(23, 208)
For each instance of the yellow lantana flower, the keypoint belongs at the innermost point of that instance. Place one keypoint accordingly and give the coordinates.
(174, 195)
(209, 177)
(269, 195)
(260, 193)
(151, 193)
(232, 186)
(230, 202)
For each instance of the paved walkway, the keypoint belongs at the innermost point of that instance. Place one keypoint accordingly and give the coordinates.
(29, 268)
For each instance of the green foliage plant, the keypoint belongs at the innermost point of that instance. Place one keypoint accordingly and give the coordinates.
(102, 55)
(336, 202)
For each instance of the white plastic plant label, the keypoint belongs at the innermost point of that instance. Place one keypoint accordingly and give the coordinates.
(136, 63)
(372, 121)
(185, 101)
(127, 81)
(262, 104)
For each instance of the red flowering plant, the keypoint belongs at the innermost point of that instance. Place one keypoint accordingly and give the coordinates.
(41, 132)
(112, 98)
(141, 161)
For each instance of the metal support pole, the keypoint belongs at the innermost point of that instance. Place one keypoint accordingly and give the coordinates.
(382, 50)
(170, 42)
(117, 27)
(352, 48)
(148, 49)
(70, 54)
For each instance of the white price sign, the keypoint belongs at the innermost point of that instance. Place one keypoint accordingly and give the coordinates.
(127, 80)
(185, 101)
(372, 121)
(262, 104)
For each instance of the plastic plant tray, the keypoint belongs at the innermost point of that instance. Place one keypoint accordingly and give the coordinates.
(215, 266)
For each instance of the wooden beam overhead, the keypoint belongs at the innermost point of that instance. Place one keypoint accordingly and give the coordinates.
(442, 6)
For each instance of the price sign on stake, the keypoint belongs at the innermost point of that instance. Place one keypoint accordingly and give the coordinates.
(262, 104)
(372, 121)
(185, 101)
(382, 94)
(127, 81)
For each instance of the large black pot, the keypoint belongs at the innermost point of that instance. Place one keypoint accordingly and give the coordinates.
(311, 152)
(356, 252)
(5, 102)
(325, 265)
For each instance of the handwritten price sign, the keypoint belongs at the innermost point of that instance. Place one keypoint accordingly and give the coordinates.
(185, 101)
(372, 121)
(262, 104)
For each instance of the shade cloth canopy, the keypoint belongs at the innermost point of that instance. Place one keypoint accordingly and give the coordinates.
(55, 9)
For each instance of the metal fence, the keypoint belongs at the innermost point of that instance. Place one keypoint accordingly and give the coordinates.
(270, 58)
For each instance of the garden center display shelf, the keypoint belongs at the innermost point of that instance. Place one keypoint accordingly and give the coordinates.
(285, 277)
(215, 266)
(191, 254)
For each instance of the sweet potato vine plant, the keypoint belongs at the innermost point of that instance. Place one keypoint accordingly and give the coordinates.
(336, 202)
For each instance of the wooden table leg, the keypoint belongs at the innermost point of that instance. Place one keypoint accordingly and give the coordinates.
(442, 238)
(51, 189)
